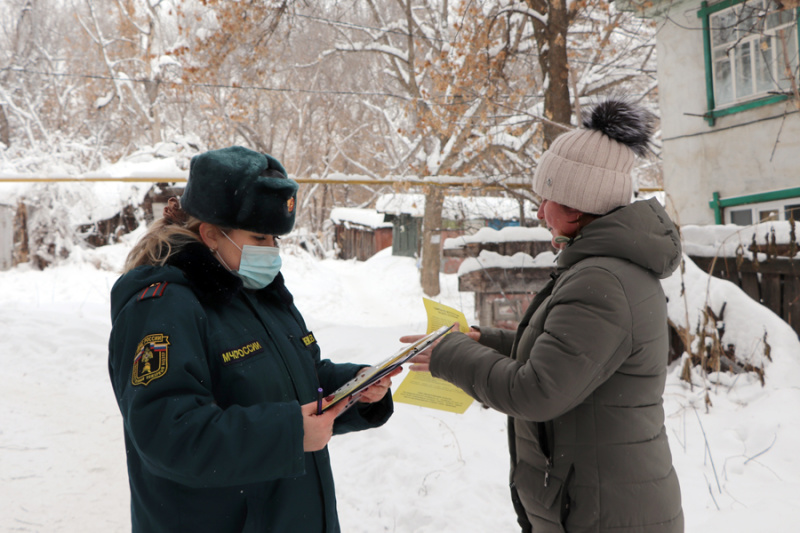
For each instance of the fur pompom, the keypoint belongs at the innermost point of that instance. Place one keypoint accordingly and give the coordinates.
(627, 123)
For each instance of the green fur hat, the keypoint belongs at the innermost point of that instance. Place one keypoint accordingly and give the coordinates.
(238, 188)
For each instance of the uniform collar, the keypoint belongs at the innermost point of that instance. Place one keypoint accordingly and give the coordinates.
(213, 283)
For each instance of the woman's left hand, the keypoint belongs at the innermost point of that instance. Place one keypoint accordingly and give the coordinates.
(422, 361)
(376, 391)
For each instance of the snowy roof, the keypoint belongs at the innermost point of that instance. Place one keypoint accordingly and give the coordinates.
(507, 234)
(487, 259)
(456, 207)
(369, 218)
(91, 201)
(110, 198)
(142, 166)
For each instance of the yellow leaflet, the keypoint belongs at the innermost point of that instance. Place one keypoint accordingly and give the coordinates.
(420, 388)
(441, 315)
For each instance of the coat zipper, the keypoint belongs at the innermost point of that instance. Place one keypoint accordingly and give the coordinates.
(544, 445)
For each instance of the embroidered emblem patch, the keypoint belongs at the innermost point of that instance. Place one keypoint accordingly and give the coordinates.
(290, 204)
(150, 362)
(309, 339)
(242, 352)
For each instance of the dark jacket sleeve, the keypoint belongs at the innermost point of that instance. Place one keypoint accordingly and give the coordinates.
(500, 340)
(360, 416)
(331, 376)
(365, 416)
(173, 421)
(585, 337)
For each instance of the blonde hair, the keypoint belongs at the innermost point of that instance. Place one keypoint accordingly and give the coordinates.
(165, 238)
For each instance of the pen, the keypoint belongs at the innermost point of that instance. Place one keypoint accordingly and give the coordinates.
(319, 401)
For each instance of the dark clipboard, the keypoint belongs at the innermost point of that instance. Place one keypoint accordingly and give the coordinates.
(369, 375)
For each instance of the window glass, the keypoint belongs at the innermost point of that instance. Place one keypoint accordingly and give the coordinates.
(785, 48)
(723, 78)
(749, 19)
(723, 26)
(779, 18)
(742, 217)
(792, 211)
(767, 215)
(753, 43)
(744, 71)
(766, 79)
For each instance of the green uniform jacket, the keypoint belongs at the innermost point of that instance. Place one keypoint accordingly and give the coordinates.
(210, 378)
(582, 382)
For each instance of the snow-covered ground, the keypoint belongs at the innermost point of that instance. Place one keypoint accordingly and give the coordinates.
(62, 460)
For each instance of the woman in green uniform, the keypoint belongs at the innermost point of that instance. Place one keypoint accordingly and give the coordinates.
(215, 373)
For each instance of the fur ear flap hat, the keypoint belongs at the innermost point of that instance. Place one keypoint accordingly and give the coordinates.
(589, 169)
(238, 188)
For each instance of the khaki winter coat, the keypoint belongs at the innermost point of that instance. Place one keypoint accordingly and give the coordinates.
(583, 382)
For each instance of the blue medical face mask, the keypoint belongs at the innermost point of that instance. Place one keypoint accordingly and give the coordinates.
(258, 266)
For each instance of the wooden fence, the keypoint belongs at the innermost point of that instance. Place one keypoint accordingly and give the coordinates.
(360, 242)
(775, 282)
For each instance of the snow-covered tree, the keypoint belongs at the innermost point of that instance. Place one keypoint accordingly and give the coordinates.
(129, 41)
(430, 88)
(488, 86)
(36, 95)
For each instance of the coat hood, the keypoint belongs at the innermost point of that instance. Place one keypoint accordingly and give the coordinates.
(641, 233)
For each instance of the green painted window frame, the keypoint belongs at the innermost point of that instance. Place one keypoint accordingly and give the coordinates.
(718, 204)
(713, 114)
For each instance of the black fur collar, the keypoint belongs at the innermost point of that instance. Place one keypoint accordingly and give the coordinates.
(212, 282)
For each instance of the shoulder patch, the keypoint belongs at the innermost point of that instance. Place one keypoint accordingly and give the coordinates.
(309, 339)
(156, 290)
(150, 361)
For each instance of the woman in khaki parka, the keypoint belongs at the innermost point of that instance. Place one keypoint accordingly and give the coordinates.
(582, 378)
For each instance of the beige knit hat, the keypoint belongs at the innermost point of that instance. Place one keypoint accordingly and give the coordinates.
(589, 169)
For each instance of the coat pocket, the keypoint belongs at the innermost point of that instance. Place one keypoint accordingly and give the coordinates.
(543, 502)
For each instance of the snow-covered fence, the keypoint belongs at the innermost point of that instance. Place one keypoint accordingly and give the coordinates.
(762, 260)
(775, 282)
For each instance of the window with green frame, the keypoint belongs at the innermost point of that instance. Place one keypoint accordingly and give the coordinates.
(751, 54)
(782, 204)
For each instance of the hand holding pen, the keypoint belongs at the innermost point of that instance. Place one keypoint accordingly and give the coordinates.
(318, 428)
